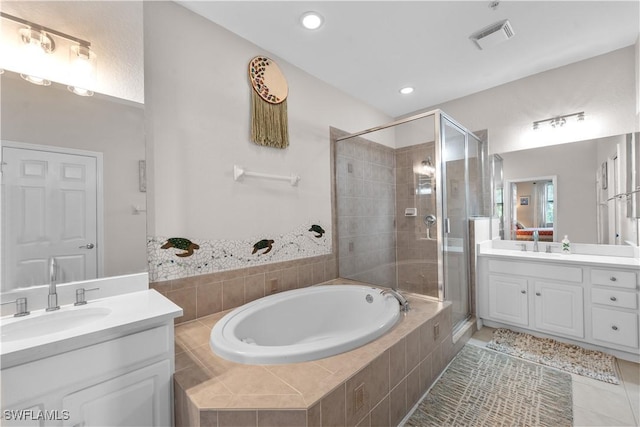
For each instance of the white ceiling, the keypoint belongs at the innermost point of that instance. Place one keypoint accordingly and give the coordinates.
(370, 49)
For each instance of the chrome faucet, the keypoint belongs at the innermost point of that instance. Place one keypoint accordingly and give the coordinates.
(404, 304)
(53, 294)
(535, 240)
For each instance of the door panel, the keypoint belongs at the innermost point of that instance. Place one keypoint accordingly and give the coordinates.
(49, 211)
(455, 230)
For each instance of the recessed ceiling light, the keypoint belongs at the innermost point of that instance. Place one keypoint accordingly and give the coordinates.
(311, 20)
(406, 90)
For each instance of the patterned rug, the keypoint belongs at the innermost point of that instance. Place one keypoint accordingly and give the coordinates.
(484, 388)
(546, 351)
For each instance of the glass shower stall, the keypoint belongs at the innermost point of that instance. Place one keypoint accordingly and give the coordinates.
(403, 213)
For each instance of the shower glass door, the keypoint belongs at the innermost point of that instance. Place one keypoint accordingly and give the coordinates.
(454, 155)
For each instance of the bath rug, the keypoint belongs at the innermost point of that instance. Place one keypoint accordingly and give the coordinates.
(546, 351)
(485, 388)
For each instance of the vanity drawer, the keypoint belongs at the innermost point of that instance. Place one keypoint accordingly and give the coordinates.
(618, 279)
(615, 327)
(614, 298)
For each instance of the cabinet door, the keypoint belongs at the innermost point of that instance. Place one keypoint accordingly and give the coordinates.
(559, 308)
(508, 299)
(138, 398)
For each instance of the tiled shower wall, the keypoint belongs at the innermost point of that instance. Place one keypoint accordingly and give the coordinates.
(416, 249)
(365, 200)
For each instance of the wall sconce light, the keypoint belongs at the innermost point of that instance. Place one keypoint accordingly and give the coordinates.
(39, 42)
(560, 121)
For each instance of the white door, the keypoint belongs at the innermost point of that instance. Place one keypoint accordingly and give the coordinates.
(49, 212)
(559, 308)
(508, 300)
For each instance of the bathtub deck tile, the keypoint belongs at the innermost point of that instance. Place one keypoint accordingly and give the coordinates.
(213, 383)
(304, 377)
(192, 334)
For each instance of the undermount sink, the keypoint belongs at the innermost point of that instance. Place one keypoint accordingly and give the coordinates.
(51, 323)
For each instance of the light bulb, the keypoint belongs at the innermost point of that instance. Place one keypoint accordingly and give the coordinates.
(311, 21)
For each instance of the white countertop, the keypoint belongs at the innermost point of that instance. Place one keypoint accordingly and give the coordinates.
(616, 261)
(128, 313)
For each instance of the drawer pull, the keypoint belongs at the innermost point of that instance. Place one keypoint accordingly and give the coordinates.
(538, 294)
(613, 299)
(613, 278)
(523, 291)
(614, 327)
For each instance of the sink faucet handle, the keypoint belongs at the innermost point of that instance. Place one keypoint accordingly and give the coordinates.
(80, 297)
(21, 306)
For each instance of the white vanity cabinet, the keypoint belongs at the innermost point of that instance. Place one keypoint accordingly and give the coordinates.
(614, 307)
(559, 296)
(118, 372)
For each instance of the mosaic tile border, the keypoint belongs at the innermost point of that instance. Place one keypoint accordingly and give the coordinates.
(179, 257)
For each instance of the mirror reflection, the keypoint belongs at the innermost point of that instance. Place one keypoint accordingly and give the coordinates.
(584, 190)
(73, 200)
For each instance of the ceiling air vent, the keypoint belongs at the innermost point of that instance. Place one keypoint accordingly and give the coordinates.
(493, 34)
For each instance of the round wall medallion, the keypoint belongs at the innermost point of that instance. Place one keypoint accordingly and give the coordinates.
(267, 80)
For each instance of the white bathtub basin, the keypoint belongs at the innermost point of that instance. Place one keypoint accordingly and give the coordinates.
(51, 323)
(304, 324)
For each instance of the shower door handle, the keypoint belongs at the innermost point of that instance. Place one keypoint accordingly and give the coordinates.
(447, 226)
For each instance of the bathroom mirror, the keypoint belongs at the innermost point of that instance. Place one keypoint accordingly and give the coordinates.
(588, 175)
(73, 200)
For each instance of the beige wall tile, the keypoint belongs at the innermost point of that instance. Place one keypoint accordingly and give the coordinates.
(307, 378)
(254, 287)
(379, 378)
(282, 418)
(208, 418)
(185, 299)
(318, 273)
(365, 422)
(413, 387)
(290, 279)
(232, 293)
(426, 376)
(397, 363)
(357, 408)
(313, 416)
(237, 418)
(413, 349)
(398, 403)
(305, 275)
(208, 298)
(333, 408)
(269, 284)
(380, 414)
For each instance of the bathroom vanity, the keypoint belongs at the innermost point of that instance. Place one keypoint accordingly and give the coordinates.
(109, 362)
(587, 298)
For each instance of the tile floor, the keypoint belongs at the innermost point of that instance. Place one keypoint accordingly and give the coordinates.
(596, 403)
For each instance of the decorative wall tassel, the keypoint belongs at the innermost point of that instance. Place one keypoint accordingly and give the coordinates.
(269, 125)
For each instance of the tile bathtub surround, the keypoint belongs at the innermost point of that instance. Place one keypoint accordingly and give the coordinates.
(375, 384)
(207, 294)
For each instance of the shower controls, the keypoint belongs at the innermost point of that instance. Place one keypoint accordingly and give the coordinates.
(430, 220)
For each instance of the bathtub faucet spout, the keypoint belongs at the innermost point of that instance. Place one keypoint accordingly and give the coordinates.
(404, 304)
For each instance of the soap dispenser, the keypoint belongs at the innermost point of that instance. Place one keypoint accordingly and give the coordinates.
(566, 245)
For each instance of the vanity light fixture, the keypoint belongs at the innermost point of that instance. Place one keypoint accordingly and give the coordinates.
(559, 121)
(83, 65)
(311, 20)
(39, 42)
(406, 90)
